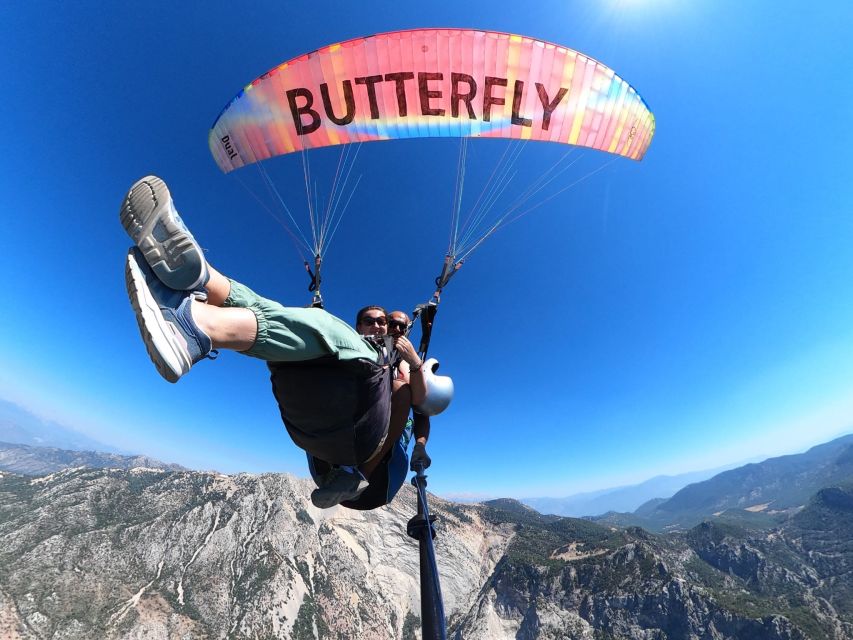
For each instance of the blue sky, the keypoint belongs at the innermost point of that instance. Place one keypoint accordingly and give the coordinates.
(676, 314)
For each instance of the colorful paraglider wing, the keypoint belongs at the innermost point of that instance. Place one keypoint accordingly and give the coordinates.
(436, 83)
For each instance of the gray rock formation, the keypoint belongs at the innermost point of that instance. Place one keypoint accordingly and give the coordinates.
(143, 553)
(151, 554)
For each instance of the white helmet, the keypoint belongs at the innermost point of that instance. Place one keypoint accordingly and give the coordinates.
(439, 390)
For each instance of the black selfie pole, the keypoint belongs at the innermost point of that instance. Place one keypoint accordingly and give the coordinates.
(420, 527)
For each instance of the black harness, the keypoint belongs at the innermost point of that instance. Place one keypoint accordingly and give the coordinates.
(336, 410)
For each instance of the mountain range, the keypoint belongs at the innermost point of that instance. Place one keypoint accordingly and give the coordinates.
(20, 426)
(755, 494)
(620, 499)
(153, 553)
(39, 461)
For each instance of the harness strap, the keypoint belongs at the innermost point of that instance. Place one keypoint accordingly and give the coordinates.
(387, 351)
(447, 272)
(426, 312)
(314, 285)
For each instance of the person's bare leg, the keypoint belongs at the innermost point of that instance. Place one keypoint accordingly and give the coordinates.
(401, 403)
(228, 328)
(218, 287)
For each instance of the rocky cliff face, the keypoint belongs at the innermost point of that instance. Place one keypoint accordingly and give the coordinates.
(146, 553)
(152, 554)
(710, 584)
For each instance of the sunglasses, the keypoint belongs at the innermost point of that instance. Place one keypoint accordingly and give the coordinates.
(369, 321)
(397, 324)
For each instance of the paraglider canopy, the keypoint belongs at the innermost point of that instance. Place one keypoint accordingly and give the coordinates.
(432, 83)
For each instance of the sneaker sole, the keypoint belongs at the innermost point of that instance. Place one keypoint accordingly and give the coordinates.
(171, 251)
(323, 499)
(160, 337)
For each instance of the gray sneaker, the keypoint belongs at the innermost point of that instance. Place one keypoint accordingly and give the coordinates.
(338, 486)
(149, 217)
(171, 336)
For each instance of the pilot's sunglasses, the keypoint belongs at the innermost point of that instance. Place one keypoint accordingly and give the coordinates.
(396, 324)
(372, 321)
